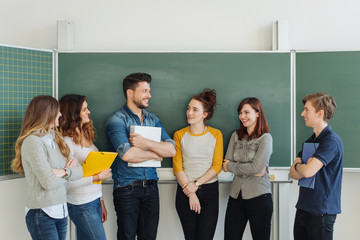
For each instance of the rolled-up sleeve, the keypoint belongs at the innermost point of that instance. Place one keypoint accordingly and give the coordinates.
(116, 131)
(164, 136)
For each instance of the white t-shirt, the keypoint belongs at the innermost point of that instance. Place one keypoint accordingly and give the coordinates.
(83, 190)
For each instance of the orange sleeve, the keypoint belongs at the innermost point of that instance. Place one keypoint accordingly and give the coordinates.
(177, 160)
(218, 152)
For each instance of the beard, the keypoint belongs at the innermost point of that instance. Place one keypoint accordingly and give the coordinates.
(140, 105)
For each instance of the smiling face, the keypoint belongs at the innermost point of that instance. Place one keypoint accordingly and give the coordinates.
(141, 95)
(248, 116)
(311, 117)
(195, 112)
(84, 113)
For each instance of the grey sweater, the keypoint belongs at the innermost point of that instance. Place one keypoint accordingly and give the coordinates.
(43, 188)
(248, 157)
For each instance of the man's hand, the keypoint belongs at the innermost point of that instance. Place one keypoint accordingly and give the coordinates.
(136, 140)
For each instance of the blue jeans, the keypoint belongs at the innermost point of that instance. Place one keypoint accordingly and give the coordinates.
(137, 210)
(199, 226)
(309, 226)
(43, 227)
(87, 219)
(257, 211)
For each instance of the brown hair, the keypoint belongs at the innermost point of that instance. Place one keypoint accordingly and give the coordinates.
(39, 116)
(322, 101)
(208, 100)
(131, 81)
(70, 107)
(261, 126)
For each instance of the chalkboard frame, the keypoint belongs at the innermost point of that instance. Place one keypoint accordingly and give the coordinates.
(20, 68)
(287, 68)
(318, 72)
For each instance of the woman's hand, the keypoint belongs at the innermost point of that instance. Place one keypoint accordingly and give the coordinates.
(102, 176)
(58, 172)
(262, 173)
(103, 211)
(71, 163)
(190, 188)
(194, 203)
(225, 162)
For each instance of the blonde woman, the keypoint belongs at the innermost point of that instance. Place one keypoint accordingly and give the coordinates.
(42, 155)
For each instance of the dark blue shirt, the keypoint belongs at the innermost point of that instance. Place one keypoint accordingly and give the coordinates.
(118, 130)
(325, 198)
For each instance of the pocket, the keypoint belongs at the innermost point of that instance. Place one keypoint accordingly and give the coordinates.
(328, 222)
(123, 190)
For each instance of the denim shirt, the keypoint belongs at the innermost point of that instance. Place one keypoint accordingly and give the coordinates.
(118, 130)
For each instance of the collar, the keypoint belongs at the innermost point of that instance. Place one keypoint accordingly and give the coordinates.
(48, 138)
(128, 111)
(323, 133)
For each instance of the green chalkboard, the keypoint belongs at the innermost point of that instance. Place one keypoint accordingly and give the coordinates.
(176, 77)
(338, 74)
(24, 74)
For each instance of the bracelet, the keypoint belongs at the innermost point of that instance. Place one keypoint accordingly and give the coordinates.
(296, 165)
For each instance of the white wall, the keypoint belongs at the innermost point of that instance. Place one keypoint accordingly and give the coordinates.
(202, 25)
(167, 25)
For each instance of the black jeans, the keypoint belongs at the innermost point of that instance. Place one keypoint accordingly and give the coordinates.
(309, 226)
(199, 226)
(137, 210)
(258, 211)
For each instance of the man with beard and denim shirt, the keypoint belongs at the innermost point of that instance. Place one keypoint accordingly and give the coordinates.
(136, 196)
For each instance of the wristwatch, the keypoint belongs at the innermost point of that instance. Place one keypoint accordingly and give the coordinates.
(67, 172)
(197, 183)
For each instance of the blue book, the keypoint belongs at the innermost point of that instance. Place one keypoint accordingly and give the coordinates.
(307, 153)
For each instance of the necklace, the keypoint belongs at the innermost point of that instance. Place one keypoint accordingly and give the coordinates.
(198, 133)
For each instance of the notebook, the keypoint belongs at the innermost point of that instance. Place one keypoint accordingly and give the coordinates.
(152, 133)
(307, 152)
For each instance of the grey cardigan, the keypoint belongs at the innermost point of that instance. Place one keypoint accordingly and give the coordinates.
(43, 188)
(248, 157)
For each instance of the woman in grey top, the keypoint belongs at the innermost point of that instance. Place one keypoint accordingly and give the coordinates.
(43, 156)
(247, 156)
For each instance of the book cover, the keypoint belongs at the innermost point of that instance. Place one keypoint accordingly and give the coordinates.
(307, 153)
(152, 133)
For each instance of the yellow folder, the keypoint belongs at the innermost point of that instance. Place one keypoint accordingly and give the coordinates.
(97, 162)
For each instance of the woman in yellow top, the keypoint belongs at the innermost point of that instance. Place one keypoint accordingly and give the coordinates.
(198, 161)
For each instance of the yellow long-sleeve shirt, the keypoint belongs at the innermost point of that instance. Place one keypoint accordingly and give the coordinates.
(197, 153)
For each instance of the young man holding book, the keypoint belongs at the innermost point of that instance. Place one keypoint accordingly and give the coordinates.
(136, 196)
(317, 208)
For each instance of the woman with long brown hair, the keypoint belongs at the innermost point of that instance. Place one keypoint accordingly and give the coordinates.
(86, 208)
(248, 156)
(43, 156)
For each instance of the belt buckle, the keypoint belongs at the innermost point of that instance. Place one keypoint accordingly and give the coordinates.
(144, 183)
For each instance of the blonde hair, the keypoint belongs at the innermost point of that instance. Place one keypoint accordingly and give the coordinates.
(322, 101)
(39, 117)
